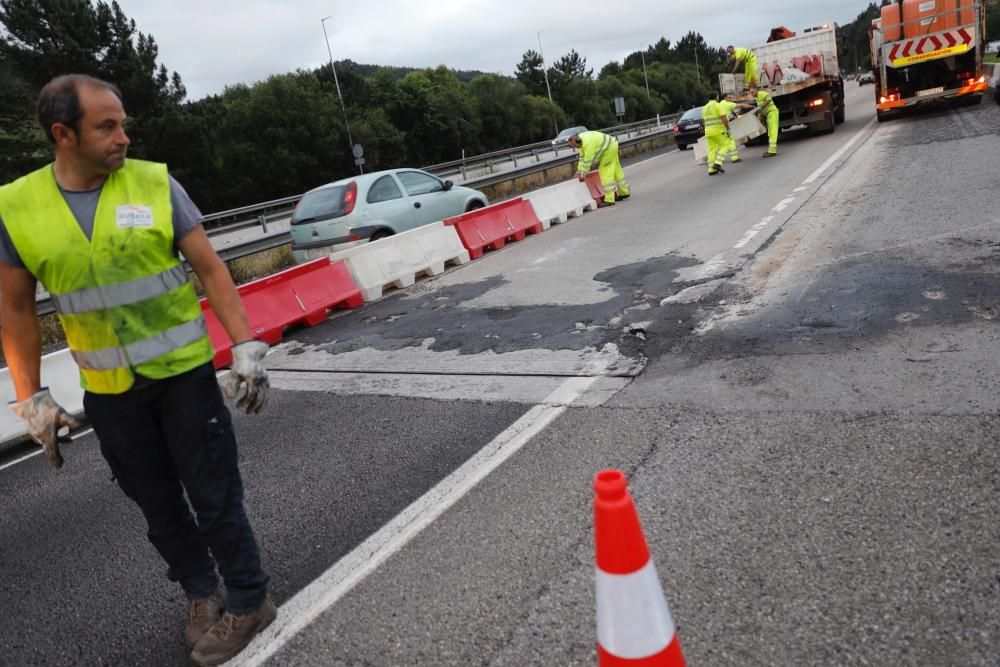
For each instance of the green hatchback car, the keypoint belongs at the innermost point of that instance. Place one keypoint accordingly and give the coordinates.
(372, 206)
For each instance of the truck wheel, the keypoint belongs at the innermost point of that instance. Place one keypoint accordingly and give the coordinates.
(839, 114)
(882, 115)
(824, 126)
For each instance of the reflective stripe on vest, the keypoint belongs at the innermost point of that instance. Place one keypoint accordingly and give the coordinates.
(122, 294)
(142, 351)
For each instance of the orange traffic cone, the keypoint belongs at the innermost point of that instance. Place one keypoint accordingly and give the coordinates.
(634, 627)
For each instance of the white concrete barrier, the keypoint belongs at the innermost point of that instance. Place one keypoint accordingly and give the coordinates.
(437, 244)
(60, 374)
(557, 203)
(397, 260)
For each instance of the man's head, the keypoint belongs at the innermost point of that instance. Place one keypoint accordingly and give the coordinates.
(730, 50)
(84, 119)
(574, 141)
(713, 95)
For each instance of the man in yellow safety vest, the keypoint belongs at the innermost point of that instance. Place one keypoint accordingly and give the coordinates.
(769, 116)
(102, 234)
(748, 58)
(600, 151)
(729, 108)
(716, 122)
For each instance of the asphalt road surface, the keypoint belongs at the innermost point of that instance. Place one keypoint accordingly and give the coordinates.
(794, 363)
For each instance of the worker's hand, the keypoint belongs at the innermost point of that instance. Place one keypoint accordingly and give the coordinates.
(581, 177)
(43, 418)
(248, 382)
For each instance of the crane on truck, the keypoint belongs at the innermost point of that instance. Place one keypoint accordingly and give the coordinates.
(802, 75)
(928, 52)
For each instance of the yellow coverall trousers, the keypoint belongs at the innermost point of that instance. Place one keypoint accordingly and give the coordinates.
(750, 71)
(771, 120)
(612, 176)
(718, 146)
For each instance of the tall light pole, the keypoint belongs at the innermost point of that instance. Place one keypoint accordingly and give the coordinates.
(697, 67)
(347, 125)
(644, 75)
(545, 72)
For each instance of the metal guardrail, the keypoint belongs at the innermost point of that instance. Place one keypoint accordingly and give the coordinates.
(534, 152)
(267, 213)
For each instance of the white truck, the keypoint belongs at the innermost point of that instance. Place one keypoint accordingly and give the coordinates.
(802, 73)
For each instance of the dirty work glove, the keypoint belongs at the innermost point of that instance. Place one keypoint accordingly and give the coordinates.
(581, 177)
(248, 381)
(44, 417)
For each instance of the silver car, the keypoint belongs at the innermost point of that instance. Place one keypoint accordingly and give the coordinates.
(356, 210)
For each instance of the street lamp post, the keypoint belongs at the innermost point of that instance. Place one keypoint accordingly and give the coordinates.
(644, 75)
(545, 72)
(343, 108)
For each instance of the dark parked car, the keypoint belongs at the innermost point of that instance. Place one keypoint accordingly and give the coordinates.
(689, 128)
(867, 77)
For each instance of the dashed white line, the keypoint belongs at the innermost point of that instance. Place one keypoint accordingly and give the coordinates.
(783, 204)
(309, 603)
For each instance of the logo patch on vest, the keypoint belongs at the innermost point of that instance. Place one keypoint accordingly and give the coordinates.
(130, 215)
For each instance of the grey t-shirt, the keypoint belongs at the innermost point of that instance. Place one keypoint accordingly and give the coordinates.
(83, 204)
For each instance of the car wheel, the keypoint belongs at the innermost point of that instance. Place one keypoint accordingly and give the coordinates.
(839, 114)
(682, 147)
(474, 205)
(380, 234)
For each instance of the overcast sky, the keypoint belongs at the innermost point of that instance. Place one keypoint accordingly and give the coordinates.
(215, 43)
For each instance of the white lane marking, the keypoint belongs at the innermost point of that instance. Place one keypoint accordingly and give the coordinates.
(836, 156)
(783, 204)
(309, 603)
(799, 189)
(756, 229)
(41, 451)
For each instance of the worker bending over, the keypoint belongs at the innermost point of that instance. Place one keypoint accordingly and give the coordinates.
(600, 151)
(717, 137)
(748, 58)
(769, 116)
(729, 108)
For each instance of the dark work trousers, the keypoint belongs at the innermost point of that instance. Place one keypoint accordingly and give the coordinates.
(175, 436)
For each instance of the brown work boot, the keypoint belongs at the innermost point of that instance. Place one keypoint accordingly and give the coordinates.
(232, 633)
(202, 615)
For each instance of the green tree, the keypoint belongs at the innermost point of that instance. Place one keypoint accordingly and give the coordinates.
(530, 72)
(45, 38)
(437, 114)
(992, 20)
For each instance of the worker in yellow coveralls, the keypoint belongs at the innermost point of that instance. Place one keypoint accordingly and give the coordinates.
(716, 133)
(769, 116)
(739, 55)
(600, 151)
(729, 107)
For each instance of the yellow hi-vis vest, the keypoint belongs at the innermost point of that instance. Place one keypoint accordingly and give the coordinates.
(123, 298)
(711, 116)
(593, 146)
(744, 55)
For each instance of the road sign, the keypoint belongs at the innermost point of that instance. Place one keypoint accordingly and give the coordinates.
(358, 151)
(619, 106)
(359, 161)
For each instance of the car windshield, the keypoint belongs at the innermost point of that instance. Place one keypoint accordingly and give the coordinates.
(692, 114)
(569, 132)
(321, 204)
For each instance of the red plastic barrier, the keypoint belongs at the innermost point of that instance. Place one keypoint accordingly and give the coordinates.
(299, 295)
(593, 182)
(491, 227)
